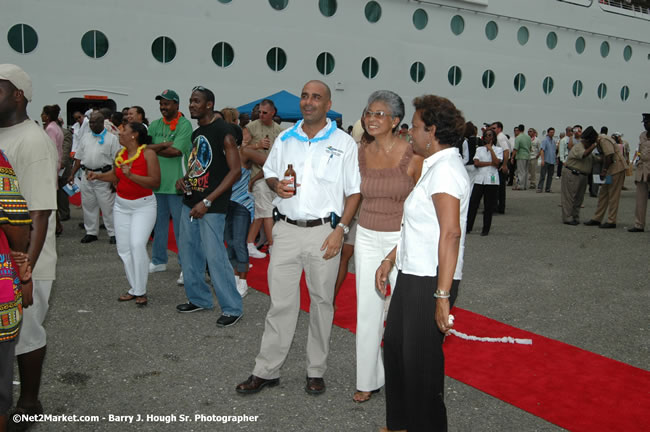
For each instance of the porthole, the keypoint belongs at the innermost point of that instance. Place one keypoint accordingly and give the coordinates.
(488, 79)
(420, 19)
(454, 75)
(627, 53)
(522, 35)
(94, 43)
(22, 38)
(551, 40)
(370, 67)
(602, 90)
(417, 72)
(604, 49)
(547, 85)
(580, 45)
(278, 4)
(373, 11)
(625, 93)
(577, 88)
(327, 7)
(325, 63)
(520, 82)
(491, 30)
(163, 49)
(457, 25)
(276, 59)
(225, 1)
(223, 54)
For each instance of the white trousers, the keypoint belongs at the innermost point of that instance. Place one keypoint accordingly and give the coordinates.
(32, 333)
(370, 248)
(134, 220)
(96, 195)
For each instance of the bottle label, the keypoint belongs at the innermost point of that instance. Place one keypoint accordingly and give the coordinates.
(292, 181)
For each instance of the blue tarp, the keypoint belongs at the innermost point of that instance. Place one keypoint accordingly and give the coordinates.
(287, 104)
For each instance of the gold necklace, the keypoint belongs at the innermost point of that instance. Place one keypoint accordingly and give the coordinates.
(119, 160)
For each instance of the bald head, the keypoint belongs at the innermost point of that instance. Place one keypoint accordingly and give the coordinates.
(326, 90)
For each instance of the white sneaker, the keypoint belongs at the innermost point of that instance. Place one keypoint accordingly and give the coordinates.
(253, 252)
(242, 287)
(180, 280)
(155, 268)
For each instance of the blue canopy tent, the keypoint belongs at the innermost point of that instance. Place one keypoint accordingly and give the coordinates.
(287, 104)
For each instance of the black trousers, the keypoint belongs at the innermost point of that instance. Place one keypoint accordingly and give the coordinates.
(501, 198)
(413, 357)
(62, 200)
(490, 192)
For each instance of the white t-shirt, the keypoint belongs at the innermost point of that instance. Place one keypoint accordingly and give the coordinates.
(502, 141)
(417, 250)
(487, 175)
(327, 170)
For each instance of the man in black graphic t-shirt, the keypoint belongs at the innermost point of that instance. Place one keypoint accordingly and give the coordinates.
(213, 168)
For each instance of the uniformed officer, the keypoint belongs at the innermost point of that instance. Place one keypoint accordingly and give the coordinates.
(642, 176)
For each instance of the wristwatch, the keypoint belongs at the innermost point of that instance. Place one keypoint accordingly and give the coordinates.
(346, 229)
(207, 203)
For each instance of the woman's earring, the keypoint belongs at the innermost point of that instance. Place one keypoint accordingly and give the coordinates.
(428, 145)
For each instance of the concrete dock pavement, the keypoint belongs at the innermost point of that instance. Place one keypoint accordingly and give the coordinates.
(153, 369)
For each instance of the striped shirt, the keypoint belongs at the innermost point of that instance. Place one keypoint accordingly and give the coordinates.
(240, 193)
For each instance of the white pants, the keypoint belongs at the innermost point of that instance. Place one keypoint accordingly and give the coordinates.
(95, 195)
(32, 333)
(370, 248)
(134, 220)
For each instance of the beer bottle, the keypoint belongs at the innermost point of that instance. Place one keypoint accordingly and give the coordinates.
(290, 175)
(188, 187)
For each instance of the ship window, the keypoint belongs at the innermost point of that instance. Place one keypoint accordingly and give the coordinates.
(325, 63)
(604, 49)
(276, 59)
(278, 4)
(417, 72)
(522, 35)
(625, 93)
(580, 45)
(22, 38)
(420, 19)
(645, 96)
(94, 43)
(223, 54)
(551, 40)
(454, 75)
(457, 25)
(373, 11)
(224, 1)
(577, 88)
(602, 90)
(520, 82)
(370, 67)
(547, 85)
(491, 30)
(627, 53)
(327, 7)
(488, 79)
(163, 49)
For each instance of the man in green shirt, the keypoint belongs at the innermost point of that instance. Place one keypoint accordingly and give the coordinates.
(171, 138)
(521, 154)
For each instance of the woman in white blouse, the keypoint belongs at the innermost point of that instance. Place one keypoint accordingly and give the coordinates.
(429, 260)
(486, 181)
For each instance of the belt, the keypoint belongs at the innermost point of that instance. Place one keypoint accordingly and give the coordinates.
(304, 223)
(576, 172)
(105, 168)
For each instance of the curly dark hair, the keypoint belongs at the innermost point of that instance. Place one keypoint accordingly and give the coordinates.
(442, 113)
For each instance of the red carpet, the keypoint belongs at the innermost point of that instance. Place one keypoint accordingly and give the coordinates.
(565, 385)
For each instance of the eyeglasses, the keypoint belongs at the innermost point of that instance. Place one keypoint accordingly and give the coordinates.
(376, 114)
(199, 88)
(264, 112)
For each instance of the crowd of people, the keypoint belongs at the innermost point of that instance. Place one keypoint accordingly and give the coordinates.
(315, 194)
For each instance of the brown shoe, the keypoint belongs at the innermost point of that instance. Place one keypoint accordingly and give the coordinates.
(126, 297)
(363, 396)
(254, 384)
(315, 386)
(141, 300)
(385, 429)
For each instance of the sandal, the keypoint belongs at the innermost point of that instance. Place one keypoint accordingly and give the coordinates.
(141, 300)
(363, 396)
(126, 297)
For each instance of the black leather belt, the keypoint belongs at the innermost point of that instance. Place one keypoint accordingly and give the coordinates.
(576, 172)
(303, 223)
(105, 168)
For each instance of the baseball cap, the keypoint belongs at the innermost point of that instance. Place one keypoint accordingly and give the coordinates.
(15, 75)
(169, 95)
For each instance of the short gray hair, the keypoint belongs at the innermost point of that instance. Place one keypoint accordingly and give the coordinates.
(392, 99)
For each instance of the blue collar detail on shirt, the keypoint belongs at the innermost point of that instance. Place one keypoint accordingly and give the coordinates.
(100, 136)
(297, 133)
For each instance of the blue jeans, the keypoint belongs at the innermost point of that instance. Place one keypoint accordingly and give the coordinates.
(167, 204)
(238, 220)
(201, 241)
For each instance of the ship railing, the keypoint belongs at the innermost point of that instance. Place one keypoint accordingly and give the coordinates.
(626, 6)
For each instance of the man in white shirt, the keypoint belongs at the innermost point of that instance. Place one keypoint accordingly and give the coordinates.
(327, 182)
(502, 142)
(563, 149)
(534, 156)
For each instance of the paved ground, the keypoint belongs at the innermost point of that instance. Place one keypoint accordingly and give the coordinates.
(581, 285)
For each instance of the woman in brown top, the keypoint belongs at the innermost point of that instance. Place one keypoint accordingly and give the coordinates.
(389, 170)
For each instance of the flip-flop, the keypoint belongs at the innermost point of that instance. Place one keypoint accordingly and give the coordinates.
(370, 393)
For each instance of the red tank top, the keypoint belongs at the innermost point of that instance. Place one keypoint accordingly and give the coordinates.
(127, 188)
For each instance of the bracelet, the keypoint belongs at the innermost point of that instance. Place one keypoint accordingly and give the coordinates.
(389, 260)
(441, 294)
(26, 281)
